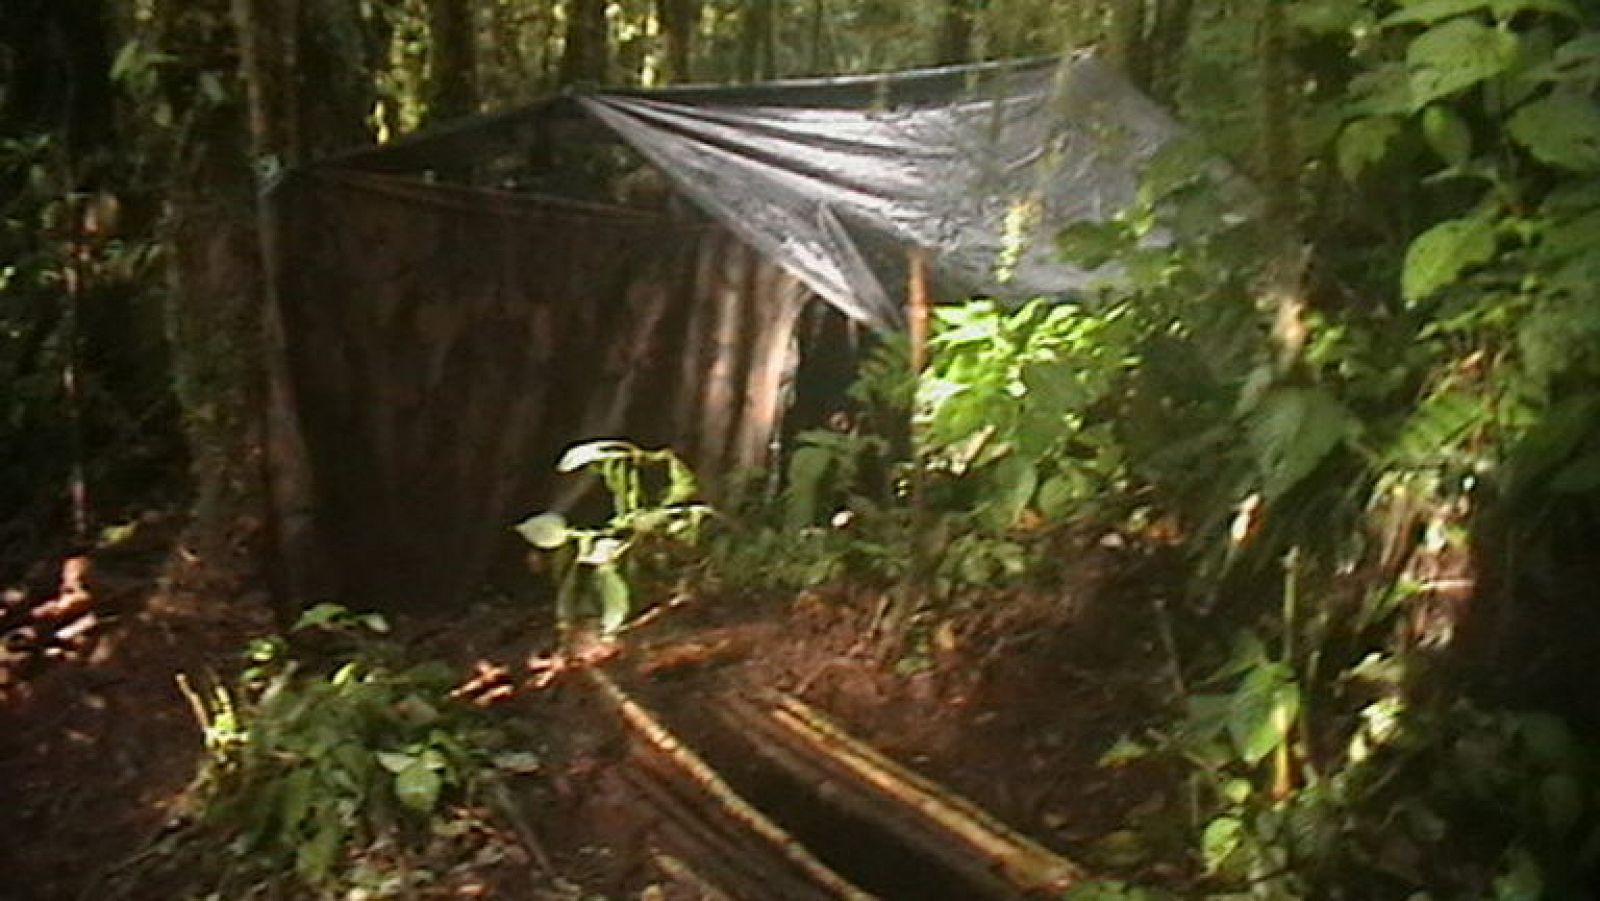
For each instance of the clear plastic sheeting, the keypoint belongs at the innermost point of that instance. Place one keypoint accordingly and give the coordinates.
(838, 179)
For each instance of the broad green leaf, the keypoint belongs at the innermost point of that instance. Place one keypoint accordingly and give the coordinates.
(603, 551)
(1452, 57)
(1262, 710)
(1222, 837)
(394, 761)
(1126, 750)
(1364, 143)
(417, 786)
(1012, 483)
(682, 485)
(1427, 12)
(1562, 129)
(615, 599)
(319, 616)
(1441, 254)
(1061, 494)
(547, 531)
(581, 455)
(1292, 431)
(1447, 133)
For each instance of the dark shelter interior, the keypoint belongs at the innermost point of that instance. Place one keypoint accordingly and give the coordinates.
(454, 309)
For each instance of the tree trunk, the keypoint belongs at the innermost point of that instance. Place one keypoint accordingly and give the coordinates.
(586, 58)
(1126, 45)
(756, 40)
(452, 59)
(214, 306)
(330, 72)
(680, 20)
(1169, 42)
(955, 32)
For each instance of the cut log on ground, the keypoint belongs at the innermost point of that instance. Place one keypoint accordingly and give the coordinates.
(864, 783)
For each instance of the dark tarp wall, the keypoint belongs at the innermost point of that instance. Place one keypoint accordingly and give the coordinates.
(445, 345)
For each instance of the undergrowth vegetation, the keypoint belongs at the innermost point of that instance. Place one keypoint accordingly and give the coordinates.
(337, 766)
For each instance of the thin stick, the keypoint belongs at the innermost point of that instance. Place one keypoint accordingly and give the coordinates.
(677, 870)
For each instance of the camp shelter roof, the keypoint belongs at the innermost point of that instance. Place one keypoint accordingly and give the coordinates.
(837, 179)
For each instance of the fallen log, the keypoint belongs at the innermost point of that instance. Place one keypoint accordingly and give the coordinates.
(735, 809)
(855, 778)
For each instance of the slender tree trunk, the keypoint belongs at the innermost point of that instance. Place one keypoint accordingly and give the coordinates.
(1168, 45)
(214, 306)
(1126, 45)
(586, 57)
(819, 37)
(955, 32)
(330, 72)
(756, 41)
(680, 19)
(452, 59)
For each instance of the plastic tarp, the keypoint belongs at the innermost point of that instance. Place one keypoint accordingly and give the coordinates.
(837, 179)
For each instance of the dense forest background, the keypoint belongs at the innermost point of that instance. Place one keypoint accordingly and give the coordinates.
(1349, 446)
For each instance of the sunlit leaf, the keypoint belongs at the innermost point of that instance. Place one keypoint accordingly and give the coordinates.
(1430, 11)
(1262, 710)
(1222, 837)
(615, 599)
(417, 786)
(547, 531)
(1452, 57)
(1125, 751)
(395, 762)
(583, 455)
(319, 616)
(1441, 254)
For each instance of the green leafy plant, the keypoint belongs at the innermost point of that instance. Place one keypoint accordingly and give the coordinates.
(331, 773)
(651, 495)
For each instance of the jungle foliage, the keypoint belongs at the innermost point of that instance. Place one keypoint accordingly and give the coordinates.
(1341, 371)
(1341, 367)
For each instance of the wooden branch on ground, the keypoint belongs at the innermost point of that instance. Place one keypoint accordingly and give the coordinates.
(803, 741)
(645, 725)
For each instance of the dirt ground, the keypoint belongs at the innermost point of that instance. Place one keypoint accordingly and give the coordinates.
(96, 748)
(1008, 704)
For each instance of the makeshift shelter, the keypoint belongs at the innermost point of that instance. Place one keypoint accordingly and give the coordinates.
(453, 309)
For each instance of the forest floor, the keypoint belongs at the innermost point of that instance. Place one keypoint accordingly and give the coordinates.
(1010, 705)
(97, 744)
